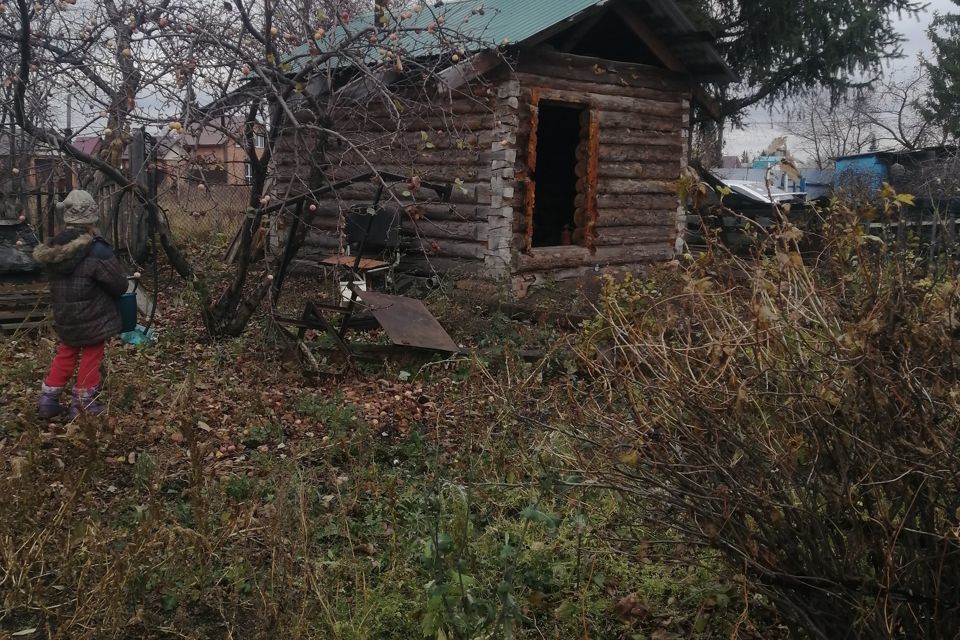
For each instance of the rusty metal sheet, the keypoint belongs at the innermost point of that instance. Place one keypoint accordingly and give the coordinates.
(407, 322)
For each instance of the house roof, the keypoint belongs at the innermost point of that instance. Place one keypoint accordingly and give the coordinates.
(887, 153)
(483, 24)
(86, 144)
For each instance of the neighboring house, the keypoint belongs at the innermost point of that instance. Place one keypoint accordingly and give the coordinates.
(931, 174)
(566, 159)
(33, 166)
(764, 162)
(45, 169)
(87, 144)
(208, 154)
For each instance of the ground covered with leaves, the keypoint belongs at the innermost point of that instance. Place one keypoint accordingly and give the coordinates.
(229, 496)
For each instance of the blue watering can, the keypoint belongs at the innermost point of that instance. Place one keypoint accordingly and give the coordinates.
(130, 331)
(127, 306)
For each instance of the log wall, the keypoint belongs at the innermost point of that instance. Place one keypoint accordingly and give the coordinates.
(634, 140)
(627, 207)
(451, 138)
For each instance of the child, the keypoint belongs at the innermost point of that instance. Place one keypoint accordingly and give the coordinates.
(85, 281)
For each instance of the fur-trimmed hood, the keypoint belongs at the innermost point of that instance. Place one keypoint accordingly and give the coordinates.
(64, 252)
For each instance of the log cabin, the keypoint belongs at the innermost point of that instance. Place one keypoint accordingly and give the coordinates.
(564, 125)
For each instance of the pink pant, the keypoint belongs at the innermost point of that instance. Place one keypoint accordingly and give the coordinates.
(61, 370)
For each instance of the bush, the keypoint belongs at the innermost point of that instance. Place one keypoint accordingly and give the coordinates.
(800, 417)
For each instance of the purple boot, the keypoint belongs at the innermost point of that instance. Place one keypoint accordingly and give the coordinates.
(87, 401)
(49, 404)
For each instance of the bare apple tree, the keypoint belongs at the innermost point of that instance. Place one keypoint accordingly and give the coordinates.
(282, 69)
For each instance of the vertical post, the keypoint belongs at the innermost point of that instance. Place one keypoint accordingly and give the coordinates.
(39, 221)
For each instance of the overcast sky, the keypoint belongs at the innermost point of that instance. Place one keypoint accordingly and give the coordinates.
(762, 127)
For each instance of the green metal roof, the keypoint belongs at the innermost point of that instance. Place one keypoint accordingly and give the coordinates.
(471, 24)
(476, 25)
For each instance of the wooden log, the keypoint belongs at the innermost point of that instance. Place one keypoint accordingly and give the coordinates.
(617, 236)
(635, 217)
(667, 202)
(415, 140)
(439, 211)
(539, 62)
(444, 230)
(449, 268)
(640, 136)
(639, 170)
(468, 193)
(551, 258)
(640, 121)
(616, 186)
(443, 248)
(472, 122)
(627, 104)
(637, 153)
(416, 105)
(528, 80)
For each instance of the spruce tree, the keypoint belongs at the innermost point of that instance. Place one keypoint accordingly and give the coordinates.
(943, 102)
(782, 48)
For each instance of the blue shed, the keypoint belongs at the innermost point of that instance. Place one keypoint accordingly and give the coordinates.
(868, 170)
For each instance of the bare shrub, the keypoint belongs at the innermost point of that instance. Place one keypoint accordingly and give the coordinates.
(800, 419)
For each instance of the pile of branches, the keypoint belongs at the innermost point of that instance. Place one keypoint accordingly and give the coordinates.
(801, 418)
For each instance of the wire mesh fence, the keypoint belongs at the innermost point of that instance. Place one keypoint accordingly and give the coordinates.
(196, 211)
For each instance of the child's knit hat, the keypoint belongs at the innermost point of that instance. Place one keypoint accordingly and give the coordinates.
(79, 209)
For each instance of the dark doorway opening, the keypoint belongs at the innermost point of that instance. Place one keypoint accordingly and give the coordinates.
(558, 136)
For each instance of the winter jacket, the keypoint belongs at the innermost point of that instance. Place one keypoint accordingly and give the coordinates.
(85, 281)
